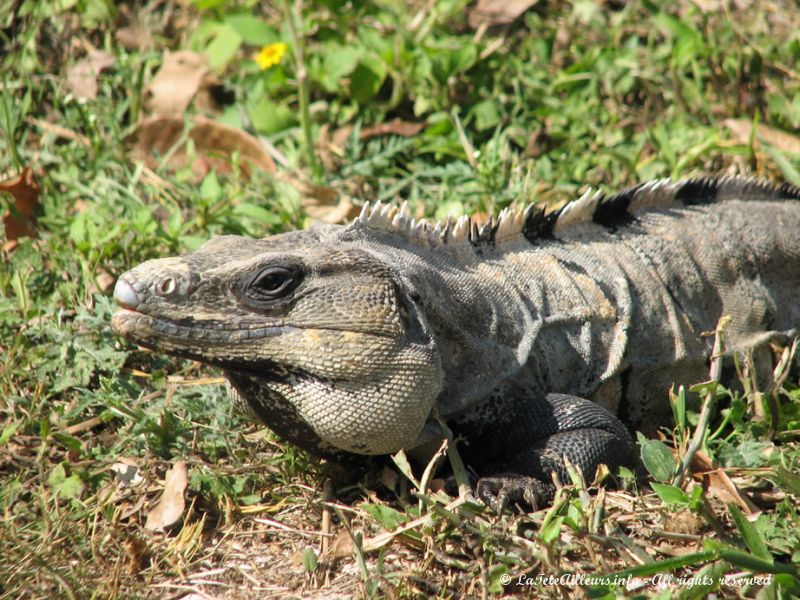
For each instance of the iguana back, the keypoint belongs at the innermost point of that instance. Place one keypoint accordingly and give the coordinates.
(619, 305)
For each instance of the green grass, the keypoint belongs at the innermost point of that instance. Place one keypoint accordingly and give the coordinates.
(572, 95)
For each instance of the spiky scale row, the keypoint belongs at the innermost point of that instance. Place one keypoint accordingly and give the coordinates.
(388, 218)
(581, 210)
(534, 222)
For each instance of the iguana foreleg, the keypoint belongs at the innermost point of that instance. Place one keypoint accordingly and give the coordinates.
(570, 427)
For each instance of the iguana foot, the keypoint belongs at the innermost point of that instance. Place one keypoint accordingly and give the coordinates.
(509, 489)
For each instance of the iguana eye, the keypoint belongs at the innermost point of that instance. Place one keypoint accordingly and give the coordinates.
(274, 282)
(167, 286)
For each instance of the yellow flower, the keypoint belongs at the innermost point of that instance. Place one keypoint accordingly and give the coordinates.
(269, 55)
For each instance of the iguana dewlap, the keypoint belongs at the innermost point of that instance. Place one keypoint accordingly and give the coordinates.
(534, 336)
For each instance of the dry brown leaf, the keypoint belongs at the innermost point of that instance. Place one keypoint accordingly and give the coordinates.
(324, 148)
(539, 143)
(393, 127)
(718, 483)
(323, 203)
(135, 555)
(82, 77)
(675, 549)
(437, 485)
(103, 282)
(172, 503)
(341, 546)
(25, 191)
(713, 6)
(742, 130)
(491, 13)
(214, 145)
(60, 132)
(134, 37)
(176, 83)
(331, 146)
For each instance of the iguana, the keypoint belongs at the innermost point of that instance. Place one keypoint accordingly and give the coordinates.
(534, 336)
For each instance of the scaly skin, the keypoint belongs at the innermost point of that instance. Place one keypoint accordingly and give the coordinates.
(527, 335)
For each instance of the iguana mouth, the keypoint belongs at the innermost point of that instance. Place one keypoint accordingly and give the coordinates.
(162, 334)
(131, 323)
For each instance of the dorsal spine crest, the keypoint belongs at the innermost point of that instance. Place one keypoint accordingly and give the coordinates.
(535, 222)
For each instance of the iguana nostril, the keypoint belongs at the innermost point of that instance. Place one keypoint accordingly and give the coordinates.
(125, 295)
(166, 286)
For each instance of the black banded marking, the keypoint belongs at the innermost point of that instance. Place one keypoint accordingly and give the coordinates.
(614, 211)
(788, 191)
(698, 191)
(707, 190)
(539, 224)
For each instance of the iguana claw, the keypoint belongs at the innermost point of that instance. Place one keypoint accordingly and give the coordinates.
(503, 491)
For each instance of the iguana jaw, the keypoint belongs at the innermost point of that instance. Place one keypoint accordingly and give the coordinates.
(335, 401)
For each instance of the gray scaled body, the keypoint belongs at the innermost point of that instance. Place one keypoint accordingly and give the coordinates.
(534, 336)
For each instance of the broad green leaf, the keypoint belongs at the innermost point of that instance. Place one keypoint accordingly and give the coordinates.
(784, 164)
(66, 487)
(486, 114)
(670, 494)
(388, 517)
(192, 242)
(174, 223)
(310, 560)
(208, 4)
(268, 117)
(657, 458)
(687, 41)
(337, 63)
(550, 532)
(749, 533)
(367, 78)
(401, 462)
(8, 431)
(223, 47)
(252, 29)
(210, 188)
(678, 404)
(249, 499)
(66, 440)
(696, 498)
(705, 388)
(705, 581)
(789, 480)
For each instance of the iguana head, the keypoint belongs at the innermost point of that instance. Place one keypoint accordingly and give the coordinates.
(323, 328)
